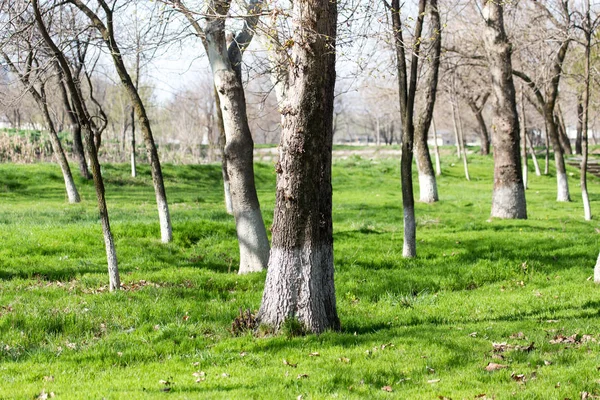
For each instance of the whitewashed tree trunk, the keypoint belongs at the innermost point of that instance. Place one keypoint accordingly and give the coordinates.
(525, 167)
(597, 270)
(299, 282)
(436, 150)
(455, 124)
(533, 155)
(463, 147)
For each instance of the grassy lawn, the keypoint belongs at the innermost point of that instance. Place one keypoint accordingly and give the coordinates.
(411, 329)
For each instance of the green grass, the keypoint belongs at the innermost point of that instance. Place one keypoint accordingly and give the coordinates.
(424, 327)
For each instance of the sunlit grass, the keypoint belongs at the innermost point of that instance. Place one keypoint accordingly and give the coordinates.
(423, 327)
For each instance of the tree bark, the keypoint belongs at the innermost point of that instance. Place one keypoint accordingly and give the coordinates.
(578, 139)
(546, 149)
(427, 182)
(524, 139)
(562, 131)
(300, 276)
(222, 140)
(484, 136)
(436, 150)
(84, 122)
(508, 199)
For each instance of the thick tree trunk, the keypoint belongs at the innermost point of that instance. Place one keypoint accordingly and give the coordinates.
(251, 232)
(300, 277)
(508, 199)
(436, 150)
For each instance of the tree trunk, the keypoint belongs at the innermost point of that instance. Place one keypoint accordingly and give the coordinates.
(133, 153)
(300, 281)
(559, 160)
(547, 149)
(597, 270)
(562, 132)
(455, 123)
(524, 139)
(533, 155)
(585, 114)
(438, 165)
(222, 140)
(427, 183)
(578, 149)
(462, 146)
(484, 136)
(251, 232)
(78, 149)
(78, 108)
(508, 199)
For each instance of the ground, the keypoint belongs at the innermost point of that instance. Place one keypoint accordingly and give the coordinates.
(481, 291)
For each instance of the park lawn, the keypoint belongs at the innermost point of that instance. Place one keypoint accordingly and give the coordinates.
(411, 329)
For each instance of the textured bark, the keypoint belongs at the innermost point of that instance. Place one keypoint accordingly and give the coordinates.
(300, 276)
(238, 151)
(85, 123)
(107, 33)
(508, 199)
(427, 184)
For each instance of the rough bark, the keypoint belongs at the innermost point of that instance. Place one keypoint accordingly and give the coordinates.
(85, 123)
(300, 276)
(107, 33)
(508, 199)
(428, 192)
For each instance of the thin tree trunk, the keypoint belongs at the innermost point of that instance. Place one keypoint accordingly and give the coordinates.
(585, 114)
(454, 122)
(524, 139)
(578, 139)
(299, 280)
(222, 140)
(463, 147)
(508, 198)
(559, 160)
(484, 136)
(133, 153)
(533, 155)
(565, 143)
(597, 270)
(547, 148)
(427, 183)
(79, 109)
(438, 165)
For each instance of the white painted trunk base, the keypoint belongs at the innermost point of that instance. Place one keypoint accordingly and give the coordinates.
(597, 270)
(562, 186)
(525, 177)
(111, 256)
(166, 232)
(587, 210)
(72, 193)
(300, 285)
(427, 189)
(509, 202)
(133, 167)
(409, 247)
(254, 252)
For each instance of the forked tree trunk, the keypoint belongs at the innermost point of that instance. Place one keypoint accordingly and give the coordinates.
(300, 276)
(239, 146)
(427, 183)
(79, 109)
(508, 199)
(436, 150)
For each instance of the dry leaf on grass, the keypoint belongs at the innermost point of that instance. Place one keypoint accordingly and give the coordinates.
(494, 367)
(387, 389)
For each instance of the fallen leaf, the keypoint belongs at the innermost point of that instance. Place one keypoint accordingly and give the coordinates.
(493, 366)
(518, 377)
(164, 382)
(546, 362)
(302, 376)
(557, 385)
(243, 354)
(201, 375)
(387, 389)
(433, 381)
(473, 334)
(430, 370)
(315, 354)
(289, 364)
(225, 375)
(518, 335)
(344, 360)
(186, 317)
(49, 378)
(167, 389)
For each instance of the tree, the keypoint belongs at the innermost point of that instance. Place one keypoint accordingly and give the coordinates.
(427, 182)
(300, 281)
(83, 118)
(508, 199)
(106, 30)
(226, 65)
